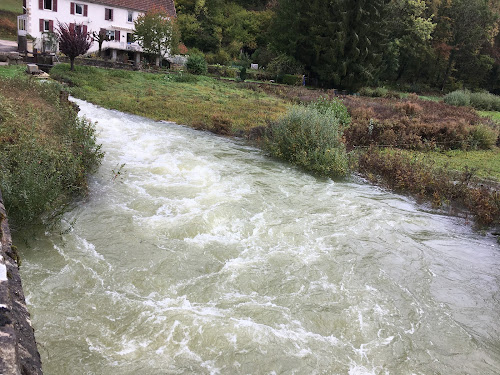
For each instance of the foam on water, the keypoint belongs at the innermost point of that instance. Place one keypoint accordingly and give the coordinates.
(204, 256)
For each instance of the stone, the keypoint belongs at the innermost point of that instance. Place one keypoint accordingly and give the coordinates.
(32, 68)
(4, 63)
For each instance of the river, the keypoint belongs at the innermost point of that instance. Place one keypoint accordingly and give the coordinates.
(203, 256)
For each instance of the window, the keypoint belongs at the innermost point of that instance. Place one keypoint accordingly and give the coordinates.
(130, 16)
(130, 38)
(79, 9)
(108, 14)
(46, 26)
(21, 23)
(110, 34)
(47, 4)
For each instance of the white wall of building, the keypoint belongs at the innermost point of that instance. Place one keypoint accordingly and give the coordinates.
(94, 21)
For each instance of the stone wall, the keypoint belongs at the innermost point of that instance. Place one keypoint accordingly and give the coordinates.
(18, 351)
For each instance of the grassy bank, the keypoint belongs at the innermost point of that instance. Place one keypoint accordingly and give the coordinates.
(443, 140)
(9, 10)
(197, 101)
(46, 152)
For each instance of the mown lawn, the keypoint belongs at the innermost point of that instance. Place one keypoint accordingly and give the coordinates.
(203, 103)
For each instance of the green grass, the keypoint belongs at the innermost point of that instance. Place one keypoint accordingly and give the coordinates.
(200, 104)
(495, 116)
(12, 71)
(486, 163)
(13, 6)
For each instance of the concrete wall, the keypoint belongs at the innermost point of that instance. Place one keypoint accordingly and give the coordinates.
(18, 351)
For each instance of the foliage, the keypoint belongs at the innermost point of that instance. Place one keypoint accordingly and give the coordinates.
(485, 101)
(73, 41)
(196, 64)
(338, 42)
(480, 100)
(311, 139)
(335, 106)
(459, 98)
(46, 151)
(100, 37)
(156, 32)
(416, 125)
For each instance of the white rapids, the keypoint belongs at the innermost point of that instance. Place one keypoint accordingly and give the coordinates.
(203, 256)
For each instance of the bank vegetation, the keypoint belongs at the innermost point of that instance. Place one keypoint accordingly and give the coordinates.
(46, 151)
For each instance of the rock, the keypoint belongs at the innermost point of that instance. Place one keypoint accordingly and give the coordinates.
(32, 68)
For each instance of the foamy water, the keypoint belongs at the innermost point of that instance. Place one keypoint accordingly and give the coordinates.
(205, 257)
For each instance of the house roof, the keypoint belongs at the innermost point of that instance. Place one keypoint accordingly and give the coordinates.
(140, 5)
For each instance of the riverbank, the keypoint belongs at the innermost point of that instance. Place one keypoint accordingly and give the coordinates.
(450, 143)
(46, 150)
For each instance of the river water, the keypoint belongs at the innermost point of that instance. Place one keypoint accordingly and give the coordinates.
(203, 256)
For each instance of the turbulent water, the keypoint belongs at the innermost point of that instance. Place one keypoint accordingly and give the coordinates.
(202, 256)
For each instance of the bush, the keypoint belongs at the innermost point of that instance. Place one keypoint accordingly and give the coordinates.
(46, 151)
(485, 101)
(311, 139)
(483, 137)
(335, 106)
(418, 125)
(459, 98)
(196, 64)
(290, 79)
(377, 92)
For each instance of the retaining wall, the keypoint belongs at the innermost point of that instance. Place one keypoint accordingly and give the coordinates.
(18, 351)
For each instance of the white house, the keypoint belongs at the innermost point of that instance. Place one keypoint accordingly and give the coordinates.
(116, 17)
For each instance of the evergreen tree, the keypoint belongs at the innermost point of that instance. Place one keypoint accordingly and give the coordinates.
(339, 42)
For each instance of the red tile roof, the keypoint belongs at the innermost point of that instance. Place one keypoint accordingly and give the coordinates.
(140, 5)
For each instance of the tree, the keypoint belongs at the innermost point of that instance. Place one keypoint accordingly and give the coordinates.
(339, 42)
(464, 27)
(73, 41)
(100, 37)
(156, 32)
(410, 33)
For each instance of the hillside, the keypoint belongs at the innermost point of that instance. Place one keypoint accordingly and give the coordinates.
(9, 10)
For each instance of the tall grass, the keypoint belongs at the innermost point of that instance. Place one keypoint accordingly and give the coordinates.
(46, 151)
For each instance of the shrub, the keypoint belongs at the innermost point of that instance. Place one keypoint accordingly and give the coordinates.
(292, 80)
(459, 98)
(46, 151)
(377, 92)
(380, 92)
(366, 91)
(335, 106)
(485, 101)
(483, 137)
(196, 64)
(311, 139)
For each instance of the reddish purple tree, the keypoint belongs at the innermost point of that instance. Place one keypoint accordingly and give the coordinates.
(73, 41)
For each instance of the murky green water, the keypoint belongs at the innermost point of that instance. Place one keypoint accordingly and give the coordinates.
(205, 257)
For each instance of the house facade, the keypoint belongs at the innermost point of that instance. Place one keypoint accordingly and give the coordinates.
(116, 18)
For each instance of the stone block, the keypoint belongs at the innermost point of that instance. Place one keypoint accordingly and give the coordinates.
(32, 68)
